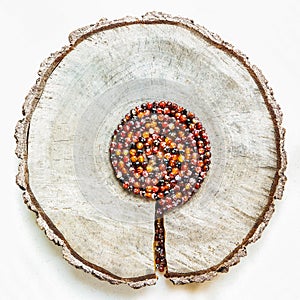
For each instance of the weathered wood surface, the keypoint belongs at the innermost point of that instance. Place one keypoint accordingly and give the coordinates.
(82, 93)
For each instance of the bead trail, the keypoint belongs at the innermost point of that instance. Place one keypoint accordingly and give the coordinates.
(161, 152)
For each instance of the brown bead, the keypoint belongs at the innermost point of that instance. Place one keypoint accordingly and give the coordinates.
(161, 268)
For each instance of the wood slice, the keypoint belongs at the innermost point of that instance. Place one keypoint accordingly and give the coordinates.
(63, 142)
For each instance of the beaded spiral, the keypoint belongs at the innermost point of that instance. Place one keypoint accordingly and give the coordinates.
(161, 151)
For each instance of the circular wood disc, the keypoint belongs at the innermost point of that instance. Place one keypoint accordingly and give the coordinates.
(81, 95)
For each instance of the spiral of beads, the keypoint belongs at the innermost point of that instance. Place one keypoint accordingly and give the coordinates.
(160, 151)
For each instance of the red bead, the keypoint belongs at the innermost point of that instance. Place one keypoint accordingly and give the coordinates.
(161, 268)
(136, 191)
(198, 125)
(162, 104)
(149, 105)
(183, 118)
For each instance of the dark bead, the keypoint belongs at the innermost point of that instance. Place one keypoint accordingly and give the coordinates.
(156, 143)
(200, 179)
(174, 151)
(178, 165)
(207, 161)
(205, 168)
(155, 197)
(169, 169)
(167, 149)
(174, 106)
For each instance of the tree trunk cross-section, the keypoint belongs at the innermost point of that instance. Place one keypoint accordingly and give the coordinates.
(82, 93)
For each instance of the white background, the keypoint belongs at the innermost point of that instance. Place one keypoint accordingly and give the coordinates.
(32, 267)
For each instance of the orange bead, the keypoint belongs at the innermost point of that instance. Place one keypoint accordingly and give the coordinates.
(146, 134)
(175, 171)
(167, 156)
(140, 145)
(167, 140)
(178, 195)
(149, 169)
(132, 151)
(172, 163)
(141, 158)
(181, 158)
(174, 157)
(160, 154)
(133, 159)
